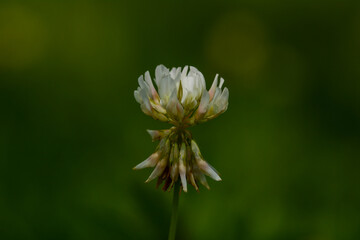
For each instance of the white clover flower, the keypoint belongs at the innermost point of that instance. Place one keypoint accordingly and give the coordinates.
(181, 99)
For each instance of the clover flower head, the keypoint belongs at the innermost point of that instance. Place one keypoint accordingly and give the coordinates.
(181, 99)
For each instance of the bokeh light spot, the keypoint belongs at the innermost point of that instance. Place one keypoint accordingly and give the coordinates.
(22, 37)
(237, 45)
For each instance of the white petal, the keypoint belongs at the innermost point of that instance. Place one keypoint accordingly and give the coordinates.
(202, 179)
(199, 78)
(183, 177)
(174, 171)
(200, 176)
(172, 72)
(174, 108)
(142, 83)
(225, 94)
(224, 99)
(207, 169)
(164, 146)
(159, 116)
(149, 162)
(220, 103)
(137, 96)
(152, 89)
(193, 69)
(184, 72)
(188, 95)
(166, 87)
(182, 167)
(192, 181)
(195, 149)
(160, 72)
(159, 169)
(145, 99)
(217, 94)
(193, 85)
(203, 106)
(221, 82)
(157, 135)
(158, 107)
(213, 87)
(144, 108)
(175, 73)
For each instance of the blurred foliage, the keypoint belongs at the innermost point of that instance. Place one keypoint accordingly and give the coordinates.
(70, 129)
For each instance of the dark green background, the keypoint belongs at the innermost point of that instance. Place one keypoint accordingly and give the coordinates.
(288, 148)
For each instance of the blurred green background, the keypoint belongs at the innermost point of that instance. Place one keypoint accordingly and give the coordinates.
(288, 148)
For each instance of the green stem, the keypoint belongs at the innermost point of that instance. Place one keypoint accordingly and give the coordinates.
(174, 215)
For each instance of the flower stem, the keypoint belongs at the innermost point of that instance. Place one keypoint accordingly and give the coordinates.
(174, 215)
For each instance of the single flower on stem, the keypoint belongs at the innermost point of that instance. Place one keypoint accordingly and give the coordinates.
(182, 100)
